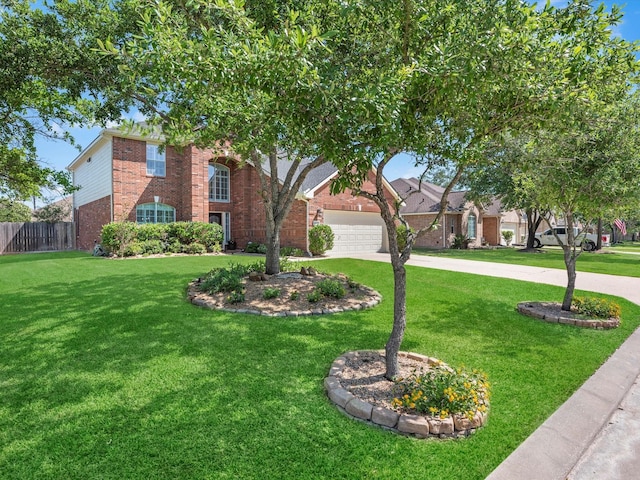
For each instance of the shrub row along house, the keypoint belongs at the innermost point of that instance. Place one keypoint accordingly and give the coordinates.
(128, 176)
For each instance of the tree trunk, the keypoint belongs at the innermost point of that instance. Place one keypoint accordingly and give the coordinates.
(570, 253)
(570, 262)
(392, 348)
(533, 222)
(272, 262)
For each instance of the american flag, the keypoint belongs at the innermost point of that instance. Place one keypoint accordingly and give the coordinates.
(621, 226)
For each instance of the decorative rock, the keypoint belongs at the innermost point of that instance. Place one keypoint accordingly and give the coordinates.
(438, 426)
(340, 396)
(255, 277)
(384, 417)
(359, 409)
(303, 271)
(413, 424)
(461, 423)
(311, 271)
(331, 383)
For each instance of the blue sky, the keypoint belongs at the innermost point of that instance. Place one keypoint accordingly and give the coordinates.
(58, 154)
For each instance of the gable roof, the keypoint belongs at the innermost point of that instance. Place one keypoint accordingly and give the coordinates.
(425, 197)
(316, 178)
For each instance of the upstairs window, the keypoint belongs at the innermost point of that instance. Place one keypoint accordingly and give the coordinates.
(472, 226)
(219, 188)
(155, 213)
(156, 163)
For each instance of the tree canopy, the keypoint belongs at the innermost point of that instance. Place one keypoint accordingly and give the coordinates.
(50, 78)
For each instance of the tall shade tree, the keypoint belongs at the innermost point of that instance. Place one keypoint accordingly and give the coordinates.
(50, 78)
(587, 171)
(446, 78)
(254, 76)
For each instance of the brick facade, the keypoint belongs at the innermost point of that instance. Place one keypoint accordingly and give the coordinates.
(345, 201)
(89, 220)
(185, 187)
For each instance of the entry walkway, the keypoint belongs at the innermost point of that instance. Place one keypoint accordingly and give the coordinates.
(595, 434)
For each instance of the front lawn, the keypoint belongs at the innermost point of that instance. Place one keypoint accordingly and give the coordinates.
(611, 261)
(106, 371)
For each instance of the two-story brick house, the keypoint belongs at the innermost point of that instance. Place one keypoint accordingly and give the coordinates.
(127, 176)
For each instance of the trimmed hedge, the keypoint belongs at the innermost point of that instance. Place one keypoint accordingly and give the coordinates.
(125, 239)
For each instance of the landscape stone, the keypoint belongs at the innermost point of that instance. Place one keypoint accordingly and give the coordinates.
(359, 409)
(340, 396)
(413, 424)
(385, 417)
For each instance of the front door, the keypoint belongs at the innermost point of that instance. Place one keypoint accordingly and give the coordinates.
(222, 219)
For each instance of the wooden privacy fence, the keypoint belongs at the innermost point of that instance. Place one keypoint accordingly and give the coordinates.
(36, 237)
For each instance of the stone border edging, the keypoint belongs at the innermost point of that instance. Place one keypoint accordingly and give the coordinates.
(201, 299)
(419, 426)
(529, 309)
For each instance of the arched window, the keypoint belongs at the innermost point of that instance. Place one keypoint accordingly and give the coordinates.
(155, 213)
(219, 188)
(472, 225)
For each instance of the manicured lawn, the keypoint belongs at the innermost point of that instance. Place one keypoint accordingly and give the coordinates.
(107, 372)
(612, 261)
(626, 247)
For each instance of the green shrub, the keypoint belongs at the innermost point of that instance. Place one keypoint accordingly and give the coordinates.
(294, 295)
(269, 293)
(320, 239)
(221, 280)
(291, 252)
(401, 234)
(175, 247)
(287, 265)
(442, 391)
(507, 235)
(314, 296)
(255, 247)
(460, 242)
(331, 288)
(151, 231)
(207, 234)
(236, 297)
(195, 248)
(176, 237)
(132, 249)
(596, 307)
(152, 247)
(116, 236)
(258, 266)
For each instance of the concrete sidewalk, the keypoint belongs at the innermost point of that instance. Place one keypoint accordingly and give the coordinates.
(595, 434)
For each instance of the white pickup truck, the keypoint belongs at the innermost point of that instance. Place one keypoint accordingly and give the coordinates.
(588, 241)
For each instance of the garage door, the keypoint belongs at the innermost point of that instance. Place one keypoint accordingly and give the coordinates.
(356, 232)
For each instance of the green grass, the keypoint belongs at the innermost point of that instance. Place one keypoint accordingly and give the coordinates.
(612, 261)
(106, 371)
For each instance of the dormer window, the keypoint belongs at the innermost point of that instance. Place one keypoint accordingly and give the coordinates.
(219, 183)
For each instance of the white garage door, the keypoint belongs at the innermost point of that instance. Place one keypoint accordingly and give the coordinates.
(356, 232)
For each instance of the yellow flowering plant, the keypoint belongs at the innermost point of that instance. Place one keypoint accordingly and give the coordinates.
(441, 391)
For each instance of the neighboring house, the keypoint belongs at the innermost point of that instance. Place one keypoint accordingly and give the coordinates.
(482, 225)
(127, 176)
(65, 205)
